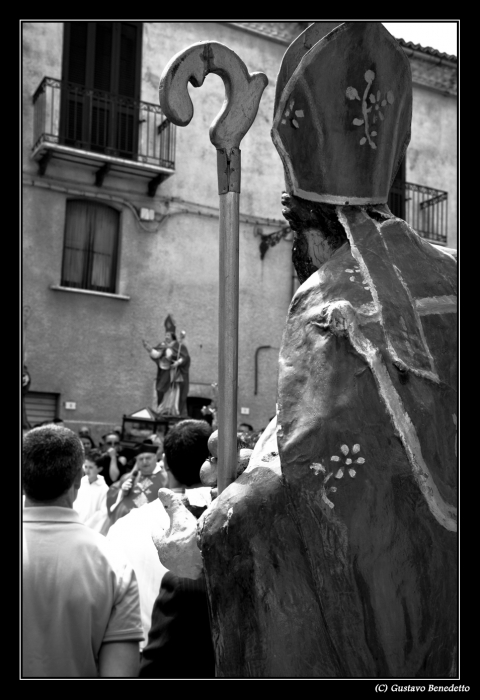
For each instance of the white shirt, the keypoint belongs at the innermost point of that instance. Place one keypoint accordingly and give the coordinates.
(78, 592)
(91, 497)
(132, 534)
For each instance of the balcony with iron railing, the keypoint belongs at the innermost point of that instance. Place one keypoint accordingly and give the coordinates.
(424, 208)
(109, 132)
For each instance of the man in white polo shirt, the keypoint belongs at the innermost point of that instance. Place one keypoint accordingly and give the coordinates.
(81, 610)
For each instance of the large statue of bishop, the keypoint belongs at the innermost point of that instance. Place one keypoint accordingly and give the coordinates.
(335, 553)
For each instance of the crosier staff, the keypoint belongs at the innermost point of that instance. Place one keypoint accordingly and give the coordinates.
(242, 97)
(175, 376)
(182, 338)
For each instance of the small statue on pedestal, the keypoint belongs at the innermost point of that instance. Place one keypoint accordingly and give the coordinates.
(173, 363)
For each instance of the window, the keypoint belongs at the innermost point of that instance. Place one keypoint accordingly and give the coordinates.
(101, 68)
(90, 250)
(40, 406)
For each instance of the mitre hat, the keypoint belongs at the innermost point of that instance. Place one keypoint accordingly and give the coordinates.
(342, 113)
(169, 324)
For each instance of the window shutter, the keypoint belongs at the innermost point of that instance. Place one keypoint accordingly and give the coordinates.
(77, 54)
(127, 61)
(104, 244)
(102, 70)
(40, 406)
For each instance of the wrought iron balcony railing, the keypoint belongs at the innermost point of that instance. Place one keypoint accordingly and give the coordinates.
(100, 122)
(424, 208)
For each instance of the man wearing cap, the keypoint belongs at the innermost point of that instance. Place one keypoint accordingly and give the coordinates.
(335, 553)
(138, 487)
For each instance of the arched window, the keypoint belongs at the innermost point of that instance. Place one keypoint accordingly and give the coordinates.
(90, 250)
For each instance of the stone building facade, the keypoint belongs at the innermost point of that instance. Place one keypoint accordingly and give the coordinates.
(94, 162)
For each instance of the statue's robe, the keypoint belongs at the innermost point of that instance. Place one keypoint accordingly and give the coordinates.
(335, 553)
(164, 376)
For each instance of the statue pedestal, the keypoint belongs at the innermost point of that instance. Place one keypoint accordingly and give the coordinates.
(139, 425)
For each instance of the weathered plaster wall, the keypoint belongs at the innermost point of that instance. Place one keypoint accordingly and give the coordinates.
(265, 286)
(88, 347)
(432, 153)
(42, 46)
(196, 177)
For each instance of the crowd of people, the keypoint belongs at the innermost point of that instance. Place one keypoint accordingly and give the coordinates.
(97, 599)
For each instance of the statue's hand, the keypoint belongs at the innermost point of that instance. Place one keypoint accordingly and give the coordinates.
(177, 547)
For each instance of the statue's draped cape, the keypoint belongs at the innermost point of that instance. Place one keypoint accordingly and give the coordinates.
(335, 553)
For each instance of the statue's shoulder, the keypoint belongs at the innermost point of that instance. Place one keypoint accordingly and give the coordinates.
(242, 504)
(340, 278)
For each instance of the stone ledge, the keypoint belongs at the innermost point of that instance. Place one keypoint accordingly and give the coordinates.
(436, 74)
(59, 288)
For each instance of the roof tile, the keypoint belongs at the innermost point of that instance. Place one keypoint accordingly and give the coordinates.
(427, 49)
(286, 32)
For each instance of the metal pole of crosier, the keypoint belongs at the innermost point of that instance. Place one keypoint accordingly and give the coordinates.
(242, 97)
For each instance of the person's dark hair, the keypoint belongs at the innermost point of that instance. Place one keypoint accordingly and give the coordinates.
(97, 456)
(111, 432)
(52, 457)
(186, 449)
(302, 214)
(87, 437)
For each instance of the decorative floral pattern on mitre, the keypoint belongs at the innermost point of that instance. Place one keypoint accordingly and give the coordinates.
(292, 115)
(347, 463)
(375, 103)
(355, 276)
